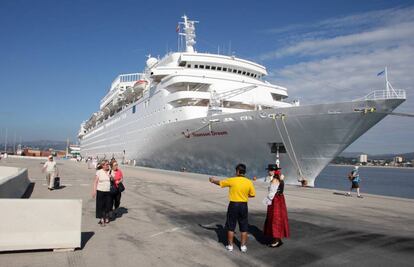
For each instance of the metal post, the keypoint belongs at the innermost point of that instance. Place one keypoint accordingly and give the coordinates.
(277, 155)
(386, 83)
(5, 142)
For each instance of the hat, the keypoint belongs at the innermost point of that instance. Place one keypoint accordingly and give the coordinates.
(50, 157)
(272, 167)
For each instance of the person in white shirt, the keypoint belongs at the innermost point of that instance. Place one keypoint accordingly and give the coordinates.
(51, 170)
(101, 190)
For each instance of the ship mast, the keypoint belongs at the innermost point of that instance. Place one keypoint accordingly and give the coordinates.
(189, 34)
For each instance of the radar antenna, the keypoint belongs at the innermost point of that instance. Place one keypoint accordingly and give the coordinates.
(189, 34)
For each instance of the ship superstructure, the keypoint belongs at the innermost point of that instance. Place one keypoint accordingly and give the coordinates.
(206, 112)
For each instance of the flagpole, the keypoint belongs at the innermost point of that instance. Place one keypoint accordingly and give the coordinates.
(386, 81)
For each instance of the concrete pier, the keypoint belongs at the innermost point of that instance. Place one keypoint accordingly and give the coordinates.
(177, 219)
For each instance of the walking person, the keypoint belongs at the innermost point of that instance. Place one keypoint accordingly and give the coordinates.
(355, 180)
(276, 225)
(118, 177)
(101, 190)
(50, 167)
(240, 189)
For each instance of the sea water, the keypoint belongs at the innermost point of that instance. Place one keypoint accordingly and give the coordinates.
(396, 182)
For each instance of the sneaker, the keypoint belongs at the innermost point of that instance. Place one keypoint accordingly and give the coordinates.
(348, 194)
(276, 244)
(229, 248)
(243, 248)
(360, 196)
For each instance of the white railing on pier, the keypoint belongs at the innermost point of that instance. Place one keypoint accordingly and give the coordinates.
(385, 94)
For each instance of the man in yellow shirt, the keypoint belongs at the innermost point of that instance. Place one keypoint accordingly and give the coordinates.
(240, 189)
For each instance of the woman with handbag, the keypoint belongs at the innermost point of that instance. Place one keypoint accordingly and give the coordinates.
(118, 182)
(276, 225)
(101, 190)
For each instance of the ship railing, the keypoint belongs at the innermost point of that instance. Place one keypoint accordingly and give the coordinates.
(385, 94)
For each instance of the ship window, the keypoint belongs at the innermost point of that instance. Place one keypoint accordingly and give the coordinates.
(189, 66)
(213, 67)
(255, 75)
(276, 97)
(134, 109)
(239, 72)
(182, 64)
(230, 70)
(201, 66)
(244, 73)
(248, 74)
(196, 66)
(218, 68)
(234, 71)
(207, 67)
(224, 69)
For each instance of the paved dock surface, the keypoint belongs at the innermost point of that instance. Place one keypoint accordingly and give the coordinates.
(177, 219)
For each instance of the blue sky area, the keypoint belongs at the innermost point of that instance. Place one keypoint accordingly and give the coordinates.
(58, 58)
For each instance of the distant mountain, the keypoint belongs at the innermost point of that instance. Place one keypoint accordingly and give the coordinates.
(39, 144)
(406, 156)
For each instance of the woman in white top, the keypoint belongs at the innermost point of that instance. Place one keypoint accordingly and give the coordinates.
(101, 189)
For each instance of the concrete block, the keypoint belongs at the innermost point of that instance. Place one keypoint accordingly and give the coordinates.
(31, 224)
(13, 182)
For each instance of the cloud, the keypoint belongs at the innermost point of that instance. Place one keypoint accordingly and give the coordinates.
(353, 43)
(338, 59)
(348, 76)
(376, 18)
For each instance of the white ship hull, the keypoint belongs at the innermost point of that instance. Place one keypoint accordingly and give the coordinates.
(312, 135)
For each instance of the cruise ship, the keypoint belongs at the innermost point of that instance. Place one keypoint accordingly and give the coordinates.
(205, 113)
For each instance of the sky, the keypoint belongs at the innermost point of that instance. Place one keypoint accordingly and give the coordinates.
(58, 58)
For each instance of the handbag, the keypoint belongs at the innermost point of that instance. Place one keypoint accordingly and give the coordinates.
(112, 188)
(121, 187)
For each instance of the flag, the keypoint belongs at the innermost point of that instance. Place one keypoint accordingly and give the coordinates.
(380, 73)
(177, 29)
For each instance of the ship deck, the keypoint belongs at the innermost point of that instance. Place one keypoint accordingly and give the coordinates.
(177, 219)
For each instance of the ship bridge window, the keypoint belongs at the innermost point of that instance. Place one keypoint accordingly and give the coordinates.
(196, 66)
(207, 67)
(201, 66)
(190, 102)
(238, 105)
(224, 69)
(182, 63)
(218, 68)
(185, 86)
(276, 97)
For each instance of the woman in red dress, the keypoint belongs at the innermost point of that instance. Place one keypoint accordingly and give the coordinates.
(276, 225)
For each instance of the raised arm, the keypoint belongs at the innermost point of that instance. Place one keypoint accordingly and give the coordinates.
(214, 181)
(252, 191)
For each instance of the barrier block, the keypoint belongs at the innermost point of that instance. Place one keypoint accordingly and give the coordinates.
(30, 224)
(13, 182)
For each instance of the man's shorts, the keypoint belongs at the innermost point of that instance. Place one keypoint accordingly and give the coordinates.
(237, 212)
(355, 184)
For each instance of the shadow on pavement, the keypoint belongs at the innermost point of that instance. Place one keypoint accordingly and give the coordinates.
(29, 190)
(85, 237)
(313, 241)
